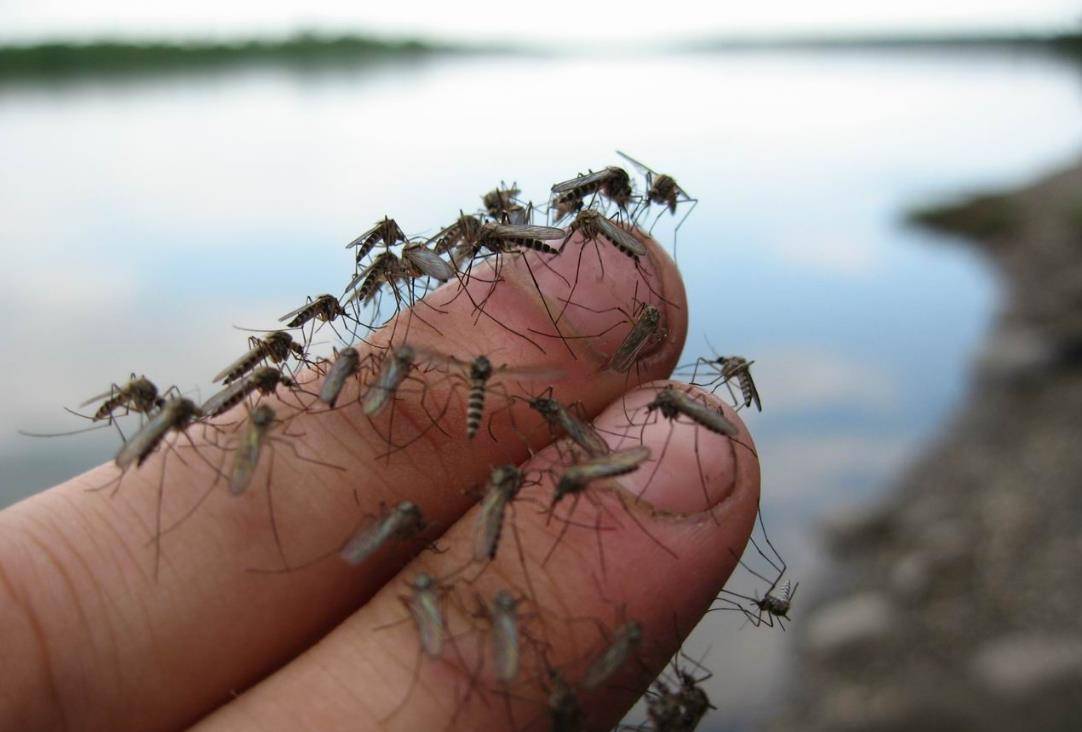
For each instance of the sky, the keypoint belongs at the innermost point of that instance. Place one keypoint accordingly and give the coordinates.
(549, 21)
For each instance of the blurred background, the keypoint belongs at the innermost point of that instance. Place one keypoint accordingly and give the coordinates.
(172, 170)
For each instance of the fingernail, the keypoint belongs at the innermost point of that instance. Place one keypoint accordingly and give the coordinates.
(691, 469)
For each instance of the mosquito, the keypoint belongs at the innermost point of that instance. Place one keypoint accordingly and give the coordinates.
(560, 418)
(383, 268)
(625, 642)
(322, 307)
(612, 182)
(501, 240)
(388, 269)
(774, 605)
(663, 189)
(504, 484)
(347, 363)
(479, 374)
(256, 437)
(504, 635)
(396, 367)
(776, 602)
(462, 233)
(394, 370)
(265, 380)
(726, 369)
(502, 205)
(644, 331)
(386, 232)
(424, 604)
(424, 262)
(506, 651)
(246, 456)
(565, 709)
(578, 477)
(681, 706)
(403, 522)
(139, 394)
(176, 415)
(276, 346)
(592, 224)
(672, 403)
(507, 238)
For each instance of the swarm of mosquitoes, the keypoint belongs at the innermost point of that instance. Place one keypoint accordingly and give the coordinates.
(393, 273)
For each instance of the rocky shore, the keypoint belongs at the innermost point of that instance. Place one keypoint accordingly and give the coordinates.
(957, 602)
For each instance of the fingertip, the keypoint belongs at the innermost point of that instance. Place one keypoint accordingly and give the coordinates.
(692, 468)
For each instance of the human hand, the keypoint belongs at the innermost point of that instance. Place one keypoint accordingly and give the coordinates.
(95, 639)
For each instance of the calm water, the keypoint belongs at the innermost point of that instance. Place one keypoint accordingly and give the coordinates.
(142, 218)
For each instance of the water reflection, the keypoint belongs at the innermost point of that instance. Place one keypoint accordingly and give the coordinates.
(142, 219)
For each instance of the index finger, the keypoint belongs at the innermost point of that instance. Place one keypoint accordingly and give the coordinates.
(105, 645)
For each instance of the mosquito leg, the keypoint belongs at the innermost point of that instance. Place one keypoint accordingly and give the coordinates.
(676, 231)
(702, 480)
(270, 512)
(158, 517)
(548, 312)
(660, 458)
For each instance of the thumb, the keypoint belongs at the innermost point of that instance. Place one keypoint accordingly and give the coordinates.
(659, 561)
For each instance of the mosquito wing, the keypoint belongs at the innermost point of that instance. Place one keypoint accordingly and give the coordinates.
(428, 262)
(712, 419)
(361, 239)
(641, 167)
(582, 434)
(424, 606)
(368, 540)
(246, 458)
(391, 376)
(344, 366)
(450, 236)
(217, 403)
(621, 237)
(143, 442)
(626, 641)
(523, 231)
(613, 464)
(505, 645)
(237, 369)
(489, 525)
(583, 180)
(641, 332)
(531, 373)
(104, 395)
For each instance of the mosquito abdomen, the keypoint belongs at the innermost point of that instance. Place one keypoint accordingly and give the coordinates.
(475, 407)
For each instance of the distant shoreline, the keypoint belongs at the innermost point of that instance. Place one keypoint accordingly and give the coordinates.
(1067, 43)
(71, 58)
(59, 59)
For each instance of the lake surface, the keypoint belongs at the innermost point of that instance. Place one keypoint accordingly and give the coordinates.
(141, 218)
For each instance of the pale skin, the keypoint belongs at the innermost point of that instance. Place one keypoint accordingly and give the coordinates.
(93, 640)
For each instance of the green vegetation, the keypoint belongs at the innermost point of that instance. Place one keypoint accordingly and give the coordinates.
(983, 217)
(1067, 43)
(114, 56)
